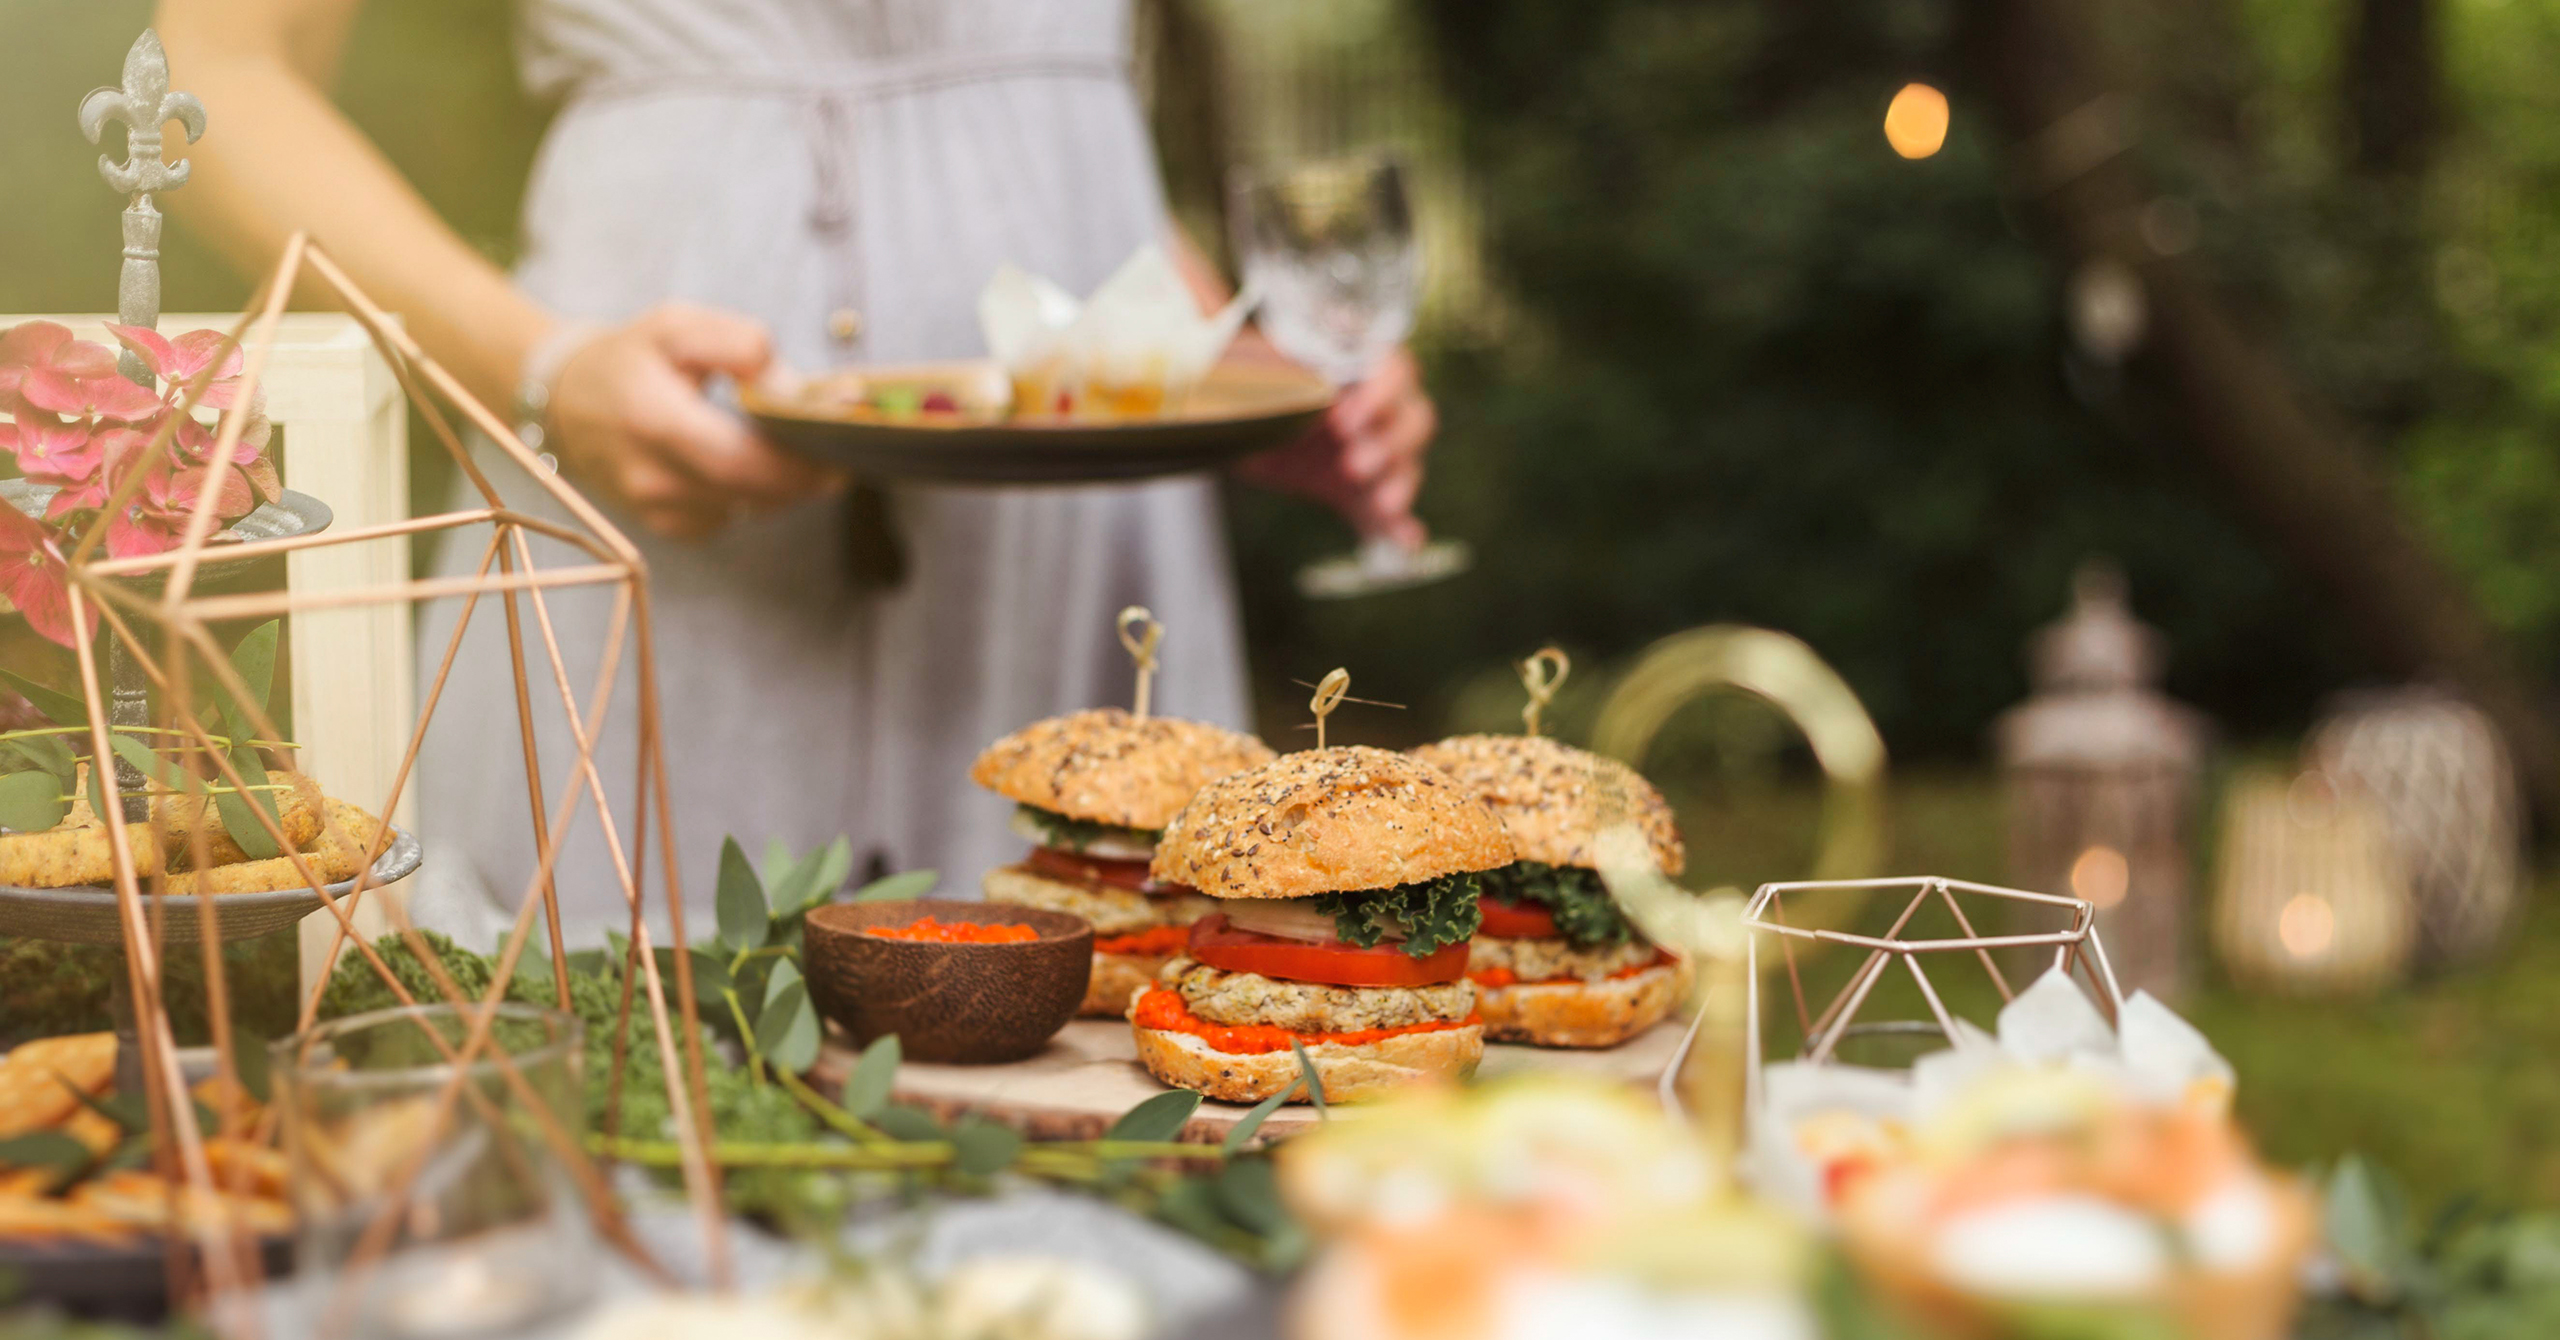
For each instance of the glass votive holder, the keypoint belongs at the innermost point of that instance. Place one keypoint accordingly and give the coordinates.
(491, 1234)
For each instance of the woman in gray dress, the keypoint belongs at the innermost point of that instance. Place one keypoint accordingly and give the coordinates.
(732, 183)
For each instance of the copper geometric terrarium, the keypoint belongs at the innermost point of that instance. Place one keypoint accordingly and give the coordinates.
(155, 609)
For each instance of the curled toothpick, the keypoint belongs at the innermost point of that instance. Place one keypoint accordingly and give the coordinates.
(1140, 632)
(1329, 693)
(1542, 674)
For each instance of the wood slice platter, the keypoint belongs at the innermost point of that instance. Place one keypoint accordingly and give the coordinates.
(1089, 1075)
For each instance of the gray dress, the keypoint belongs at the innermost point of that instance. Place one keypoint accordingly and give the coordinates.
(787, 159)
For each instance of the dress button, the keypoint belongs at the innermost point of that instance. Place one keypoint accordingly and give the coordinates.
(845, 324)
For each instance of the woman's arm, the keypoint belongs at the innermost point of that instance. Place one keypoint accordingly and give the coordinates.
(628, 414)
(1365, 459)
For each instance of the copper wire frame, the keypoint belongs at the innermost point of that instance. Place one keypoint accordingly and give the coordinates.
(2076, 950)
(508, 572)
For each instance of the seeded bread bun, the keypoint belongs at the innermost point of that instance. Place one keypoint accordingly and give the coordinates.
(1580, 1014)
(1347, 1072)
(1554, 797)
(1328, 821)
(1108, 767)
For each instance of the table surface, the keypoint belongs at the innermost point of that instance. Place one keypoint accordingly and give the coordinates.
(1089, 1074)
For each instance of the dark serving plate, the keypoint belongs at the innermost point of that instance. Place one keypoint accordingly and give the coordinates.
(123, 1281)
(1240, 409)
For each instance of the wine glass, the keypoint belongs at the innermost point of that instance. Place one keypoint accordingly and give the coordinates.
(1328, 249)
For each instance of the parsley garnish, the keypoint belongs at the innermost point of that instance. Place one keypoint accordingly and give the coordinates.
(1078, 834)
(1433, 914)
(1580, 903)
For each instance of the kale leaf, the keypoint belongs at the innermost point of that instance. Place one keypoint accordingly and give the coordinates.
(1585, 914)
(1057, 830)
(1433, 914)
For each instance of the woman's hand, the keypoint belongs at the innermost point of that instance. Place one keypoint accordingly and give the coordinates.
(629, 419)
(1364, 459)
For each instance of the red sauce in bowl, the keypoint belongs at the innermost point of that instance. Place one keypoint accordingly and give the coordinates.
(956, 932)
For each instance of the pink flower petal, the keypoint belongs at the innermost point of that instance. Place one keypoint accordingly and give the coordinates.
(31, 343)
(199, 349)
(150, 346)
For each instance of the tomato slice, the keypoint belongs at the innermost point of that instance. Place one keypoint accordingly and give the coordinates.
(1075, 868)
(1221, 945)
(1515, 921)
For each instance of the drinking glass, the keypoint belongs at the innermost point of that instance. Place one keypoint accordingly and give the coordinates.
(492, 1235)
(1328, 249)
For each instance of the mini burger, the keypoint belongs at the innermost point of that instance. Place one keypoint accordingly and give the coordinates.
(1558, 963)
(1346, 891)
(1092, 789)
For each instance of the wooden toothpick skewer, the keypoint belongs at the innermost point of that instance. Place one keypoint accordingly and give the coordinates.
(1329, 692)
(1140, 632)
(1542, 674)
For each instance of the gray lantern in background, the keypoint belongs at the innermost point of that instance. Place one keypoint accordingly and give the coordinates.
(2101, 771)
(2438, 772)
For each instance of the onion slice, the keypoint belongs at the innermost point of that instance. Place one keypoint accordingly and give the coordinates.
(1292, 919)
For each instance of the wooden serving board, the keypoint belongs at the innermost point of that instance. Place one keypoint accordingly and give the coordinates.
(1089, 1075)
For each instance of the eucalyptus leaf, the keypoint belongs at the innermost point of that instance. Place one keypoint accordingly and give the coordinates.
(980, 1147)
(58, 707)
(1315, 1082)
(1190, 1205)
(2365, 1217)
(1253, 1120)
(784, 973)
(249, 1062)
(31, 802)
(44, 1149)
(744, 920)
(866, 1090)
(834, 866)
(787, 1031)
(238, 819)
(1158, 1118)
(783, 876)
(895, 888)
(1250, 1197)
(162, 773)
(253, 658)
(900, 1122)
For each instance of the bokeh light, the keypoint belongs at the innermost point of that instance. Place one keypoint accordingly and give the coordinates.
(2307, 926)
(1915, 123)
(2101, 875)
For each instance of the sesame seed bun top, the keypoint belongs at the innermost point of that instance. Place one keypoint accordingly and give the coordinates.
(1108, 767)
(1554, 797)
(1328, 821)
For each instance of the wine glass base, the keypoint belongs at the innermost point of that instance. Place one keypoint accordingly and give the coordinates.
(1382, 566)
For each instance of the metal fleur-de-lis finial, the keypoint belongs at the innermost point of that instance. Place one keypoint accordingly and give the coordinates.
(144, 104)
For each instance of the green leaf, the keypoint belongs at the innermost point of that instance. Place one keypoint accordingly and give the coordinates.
(254, 659)
(1432, 914)
(1190, 1205)
(249, 1061)
(1253, 1120)
(2366, 1217)
(980, 1147)
(834, 866)
(31, 802)
(744, 920)
(1057, 830)
(1314, 1082)
(163, 773)
(784, 973)
(787, 1031)
(900, 1122)
(1249, 1196)
(1158, 1118)
(710, 974)
(238, 819)
(58, 707)
(866, 1090)
(1585, 914)
(44, 1149)
(895, 888)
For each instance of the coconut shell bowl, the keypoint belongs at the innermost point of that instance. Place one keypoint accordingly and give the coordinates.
(954, 1004)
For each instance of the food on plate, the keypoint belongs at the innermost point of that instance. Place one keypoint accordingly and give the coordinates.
(54, 1087)
(1094, 789)
(1345, 882)
(956, 932)
(947, 395)
(1558, 962)
(331, 835)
